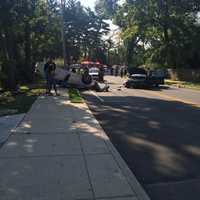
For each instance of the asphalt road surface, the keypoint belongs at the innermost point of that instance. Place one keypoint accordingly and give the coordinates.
(157, 132)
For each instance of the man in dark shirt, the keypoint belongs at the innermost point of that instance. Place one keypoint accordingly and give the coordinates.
(49, 71)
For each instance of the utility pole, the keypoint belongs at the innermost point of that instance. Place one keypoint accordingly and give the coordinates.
(62, 6)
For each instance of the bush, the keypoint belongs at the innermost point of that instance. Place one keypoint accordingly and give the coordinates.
(74, 96)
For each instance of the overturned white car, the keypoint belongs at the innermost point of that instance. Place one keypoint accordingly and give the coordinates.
(68, 78)
(83, 79)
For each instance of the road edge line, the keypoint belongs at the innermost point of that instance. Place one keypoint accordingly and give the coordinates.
(98, 97)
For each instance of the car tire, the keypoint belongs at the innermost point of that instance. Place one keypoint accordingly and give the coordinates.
(87, 79)
(127, 85)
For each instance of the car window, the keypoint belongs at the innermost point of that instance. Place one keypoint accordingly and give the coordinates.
(93, 70)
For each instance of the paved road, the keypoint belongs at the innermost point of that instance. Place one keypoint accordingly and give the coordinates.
(157, 133)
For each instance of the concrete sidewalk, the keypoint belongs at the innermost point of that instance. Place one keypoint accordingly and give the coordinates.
(7, 123)
(60, 152)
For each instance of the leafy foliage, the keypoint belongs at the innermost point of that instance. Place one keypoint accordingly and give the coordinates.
(166, 32)
(84, 30)
(106, 8)
(75, 96)
(30, 30)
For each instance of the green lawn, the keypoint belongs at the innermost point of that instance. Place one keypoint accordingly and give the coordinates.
(22, 101)
(74, 96)
(184, 84)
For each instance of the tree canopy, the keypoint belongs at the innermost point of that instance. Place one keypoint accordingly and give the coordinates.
(164, 32)
(83, 31)
(153, 32)
(106, 8)
(30, 30)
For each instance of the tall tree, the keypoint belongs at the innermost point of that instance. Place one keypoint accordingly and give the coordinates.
(161, 32)
(84, 31)
(30, 30)
(27, 32)
(106, 8)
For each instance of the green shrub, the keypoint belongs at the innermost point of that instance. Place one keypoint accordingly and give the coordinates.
(75, 96)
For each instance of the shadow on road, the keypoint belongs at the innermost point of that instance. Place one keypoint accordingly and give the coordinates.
(159, 140)
(161, 87)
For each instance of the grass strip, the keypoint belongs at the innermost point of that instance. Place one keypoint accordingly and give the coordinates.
(20, 102)
(184, 84)
(75, 96)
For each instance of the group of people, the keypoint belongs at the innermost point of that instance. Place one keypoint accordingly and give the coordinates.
(49, 71)
(118, 71)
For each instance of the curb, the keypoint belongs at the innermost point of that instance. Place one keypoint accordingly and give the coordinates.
(11, 131)
(130, 177)
(14, 130)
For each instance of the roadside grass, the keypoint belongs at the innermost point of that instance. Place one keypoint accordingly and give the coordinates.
(184, 84)
(75, 96)
(21, 101)
(59, 62)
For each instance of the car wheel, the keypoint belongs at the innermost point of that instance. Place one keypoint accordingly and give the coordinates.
(127, 85)
(87, 79)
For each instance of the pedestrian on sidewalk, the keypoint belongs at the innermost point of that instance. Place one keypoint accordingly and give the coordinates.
(49, 71)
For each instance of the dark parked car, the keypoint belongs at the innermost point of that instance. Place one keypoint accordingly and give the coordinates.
(141, 78)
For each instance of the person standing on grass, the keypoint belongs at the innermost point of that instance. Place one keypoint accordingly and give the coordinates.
(49, 71)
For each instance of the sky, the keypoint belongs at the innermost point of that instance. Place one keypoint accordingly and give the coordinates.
(88, 3)
(91, 4)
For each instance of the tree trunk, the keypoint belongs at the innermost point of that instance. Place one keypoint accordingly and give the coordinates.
(27, 48)
(165, 29)
(9, 65)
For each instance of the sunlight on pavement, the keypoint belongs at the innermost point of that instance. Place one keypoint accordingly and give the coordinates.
(11, 144)
(154, 124)
(86, 127)
(192, 150)
(26, 125)
(166, 160)
(172, 98)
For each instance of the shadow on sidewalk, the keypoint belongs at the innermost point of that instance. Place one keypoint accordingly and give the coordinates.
(72, 162)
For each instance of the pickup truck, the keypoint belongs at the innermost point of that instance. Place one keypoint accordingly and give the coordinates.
(141, 78)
